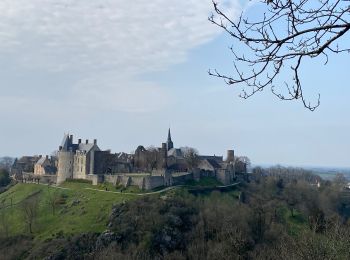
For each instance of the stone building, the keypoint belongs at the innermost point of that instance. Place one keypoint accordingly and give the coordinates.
(22, 165)
(76, 161)
(108, 163)
(45, 166)
(146, 168)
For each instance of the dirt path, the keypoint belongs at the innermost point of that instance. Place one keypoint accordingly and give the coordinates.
(137, 194)
(166, 189)
(148, 193)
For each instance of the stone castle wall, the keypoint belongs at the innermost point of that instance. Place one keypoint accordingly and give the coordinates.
(152, 182)
(95, 179)
(137, 181)
(224, 176)
(181, 178)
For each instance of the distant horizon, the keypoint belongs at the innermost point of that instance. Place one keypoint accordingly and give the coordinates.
(123, 73)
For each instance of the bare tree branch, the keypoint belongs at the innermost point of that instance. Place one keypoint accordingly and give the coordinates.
(288, 33)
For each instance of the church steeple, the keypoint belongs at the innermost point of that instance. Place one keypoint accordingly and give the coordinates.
(169, 143)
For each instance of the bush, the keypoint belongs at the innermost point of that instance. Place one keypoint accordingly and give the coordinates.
(79, 181)
(4, 178)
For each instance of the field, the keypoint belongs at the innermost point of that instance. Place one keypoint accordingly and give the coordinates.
(77, 209)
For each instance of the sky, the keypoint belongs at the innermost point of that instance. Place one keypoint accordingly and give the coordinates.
(123, 72)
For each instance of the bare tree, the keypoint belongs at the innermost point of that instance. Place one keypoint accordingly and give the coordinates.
(151, 158)
(241, 163)
(286, 34)
(6, 162)
(53, 199)
(30, 208)
(191, 157)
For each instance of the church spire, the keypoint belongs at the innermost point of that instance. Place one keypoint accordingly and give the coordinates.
(169, 135)
(169, 142)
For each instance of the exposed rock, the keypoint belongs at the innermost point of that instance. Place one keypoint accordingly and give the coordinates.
(75, 202)
(105, 239)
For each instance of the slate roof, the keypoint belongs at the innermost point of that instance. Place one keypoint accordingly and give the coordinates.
(85, 147)
(175, 152)
(65, 142)
(216, 158)
(41, 161)
(214, 163)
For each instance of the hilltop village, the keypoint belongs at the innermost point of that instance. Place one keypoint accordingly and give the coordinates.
(146, 168)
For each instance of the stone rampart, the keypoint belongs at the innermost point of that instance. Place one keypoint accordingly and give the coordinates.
(152, 182)
(181, 178)
(137, 181)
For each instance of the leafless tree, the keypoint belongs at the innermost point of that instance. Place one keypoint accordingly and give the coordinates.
(151, 158)
(30, 208)
(241, 163)
(191, 157)
(6, 162)
(53, 198)
(286, 34)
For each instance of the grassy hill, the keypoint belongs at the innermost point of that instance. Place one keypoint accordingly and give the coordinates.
(77, 209)
(263, 219)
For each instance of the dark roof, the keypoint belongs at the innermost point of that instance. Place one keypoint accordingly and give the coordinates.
(214, 163)
(85, 147)
(65, 142)
(42, 160)
(28, 159)
(175, 152)
(178, 167)
(216, 158)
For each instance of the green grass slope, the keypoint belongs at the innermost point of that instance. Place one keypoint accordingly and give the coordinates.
(77, 209)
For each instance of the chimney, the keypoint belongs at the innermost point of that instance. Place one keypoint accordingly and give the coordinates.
(164, 146)
(87, 141)
(230, 156)
(79, 141)
(71, 138)
(47, 157)
(95, 141)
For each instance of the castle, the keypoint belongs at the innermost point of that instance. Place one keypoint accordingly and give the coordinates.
(146, 168)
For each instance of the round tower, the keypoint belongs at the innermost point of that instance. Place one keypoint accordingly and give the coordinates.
(65, 165)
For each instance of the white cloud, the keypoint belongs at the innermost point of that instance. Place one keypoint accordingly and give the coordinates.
(126, 38)
(117, 93)
(134, 35)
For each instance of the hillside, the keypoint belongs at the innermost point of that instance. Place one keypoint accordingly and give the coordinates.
(77, 209)
(267, 218)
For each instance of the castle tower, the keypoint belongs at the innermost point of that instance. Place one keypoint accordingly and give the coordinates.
(169, 143)
(164, 156)
(65, 159)
(230, 156)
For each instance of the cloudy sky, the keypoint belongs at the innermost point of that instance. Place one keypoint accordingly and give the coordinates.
(125, 71)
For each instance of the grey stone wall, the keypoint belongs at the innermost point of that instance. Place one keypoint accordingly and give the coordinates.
(113, 179)
(138, 181)
(225, 177)
(95, 179)
(182, 178)
(48, 179)
(152, 182)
